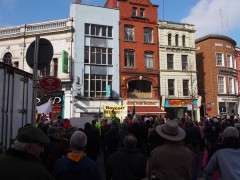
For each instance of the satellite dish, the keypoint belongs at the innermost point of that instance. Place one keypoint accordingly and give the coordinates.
(45, 53)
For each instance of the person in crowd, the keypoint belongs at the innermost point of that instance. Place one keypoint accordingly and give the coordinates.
(193, 136)
(171, 160)
(226, 158)
(138, 130)
(212, 130)
(93, 144)
(54, 149)
(127, 163)
(22, 160)
(111, 141)
(76, 164)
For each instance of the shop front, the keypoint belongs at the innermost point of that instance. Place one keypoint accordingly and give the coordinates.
(180, 108)
(228, 105)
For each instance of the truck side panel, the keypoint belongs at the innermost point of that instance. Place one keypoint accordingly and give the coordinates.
(15, 103)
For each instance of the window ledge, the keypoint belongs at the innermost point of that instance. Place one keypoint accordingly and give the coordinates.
(149, 43)
(129, 41)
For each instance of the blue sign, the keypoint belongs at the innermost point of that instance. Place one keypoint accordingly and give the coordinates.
(108, 92)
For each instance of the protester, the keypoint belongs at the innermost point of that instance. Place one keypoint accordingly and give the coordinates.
(76, 164)
(22, 161)
(226, 158)
(93, 144)
(127, 163)
(171, 160)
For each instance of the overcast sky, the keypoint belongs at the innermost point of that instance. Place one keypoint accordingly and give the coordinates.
(208, 16)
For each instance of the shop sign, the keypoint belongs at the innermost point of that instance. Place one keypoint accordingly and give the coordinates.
(147, 103)
(179, 102)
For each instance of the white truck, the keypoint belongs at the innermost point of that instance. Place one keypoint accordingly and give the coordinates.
(15, 102)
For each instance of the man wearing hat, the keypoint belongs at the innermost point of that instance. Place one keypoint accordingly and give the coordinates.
(171, 160)
(22, 161)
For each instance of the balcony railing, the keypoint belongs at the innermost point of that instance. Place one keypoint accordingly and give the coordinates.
(143, 95)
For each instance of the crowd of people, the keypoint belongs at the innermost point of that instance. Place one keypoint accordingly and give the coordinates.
(134, 149)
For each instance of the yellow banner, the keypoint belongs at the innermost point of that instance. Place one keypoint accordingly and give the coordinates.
(119, 111)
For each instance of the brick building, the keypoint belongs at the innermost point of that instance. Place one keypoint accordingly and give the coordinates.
(139, 54)
(217, 74)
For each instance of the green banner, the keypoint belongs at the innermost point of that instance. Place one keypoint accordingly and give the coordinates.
(64, 61)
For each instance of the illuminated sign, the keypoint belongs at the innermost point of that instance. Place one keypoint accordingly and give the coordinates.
(179, 102)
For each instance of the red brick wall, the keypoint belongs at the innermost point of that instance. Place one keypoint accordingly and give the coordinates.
(208, 71)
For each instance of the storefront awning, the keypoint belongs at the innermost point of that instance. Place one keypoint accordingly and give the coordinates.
(142, 110)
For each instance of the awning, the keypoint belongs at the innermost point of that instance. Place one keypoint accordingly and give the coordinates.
(146, 110)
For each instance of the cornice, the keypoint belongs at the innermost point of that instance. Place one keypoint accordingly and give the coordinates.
(34, 33)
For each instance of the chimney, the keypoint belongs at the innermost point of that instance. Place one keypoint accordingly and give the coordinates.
(78, 1)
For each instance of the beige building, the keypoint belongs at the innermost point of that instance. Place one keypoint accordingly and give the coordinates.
(14, 43)
(178, 76)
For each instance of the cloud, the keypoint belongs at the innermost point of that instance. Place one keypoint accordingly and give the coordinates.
(214, 17)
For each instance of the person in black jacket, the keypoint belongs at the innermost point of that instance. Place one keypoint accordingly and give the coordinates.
(127, 163)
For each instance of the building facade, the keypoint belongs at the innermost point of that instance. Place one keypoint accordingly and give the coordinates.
(178, 75)
(139, 55)
(218, 77)
(14, 43)
(95, 59)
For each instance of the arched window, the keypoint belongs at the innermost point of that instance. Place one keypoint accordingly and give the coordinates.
(176, 40)
(183, 40)
(169, 39)
(7, 58)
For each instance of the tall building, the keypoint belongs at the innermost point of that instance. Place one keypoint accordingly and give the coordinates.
(95, 59)
(218, 78)
(178, 75)
(139, 55)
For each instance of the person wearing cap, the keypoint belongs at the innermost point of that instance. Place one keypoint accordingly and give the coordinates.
(22, 160)
(171, 160)
(226, 159)
(76, 164)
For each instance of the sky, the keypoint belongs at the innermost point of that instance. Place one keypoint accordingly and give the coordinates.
(209, 16)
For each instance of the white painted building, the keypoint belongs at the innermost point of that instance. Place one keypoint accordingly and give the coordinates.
(14, 42)
(178, 76)
(95, 59)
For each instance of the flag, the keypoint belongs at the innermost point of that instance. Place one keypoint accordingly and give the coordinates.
(44, 108)
(133, 111)
(99, 114)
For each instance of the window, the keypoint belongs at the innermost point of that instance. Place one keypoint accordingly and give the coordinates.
(169, 61)
(7, 58)
(96, 85)
(97, 55)
(169, 39)
(98, 30)
(148, 35)
(219, 59)
(134, 11)
(221, 85)
(183, 40)
(129, 58)
(16, 64)
(229, 61)
(142, 12)
(128, 33)
(236, 86)
(55, 67)
(234, 63)
(185, 88)
(184, 62)
(149, 59)
(176, 40)
(171, 88)
(231, 85)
